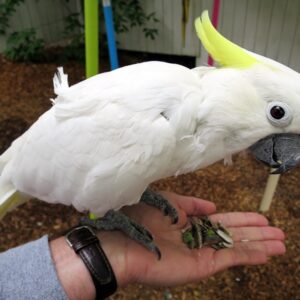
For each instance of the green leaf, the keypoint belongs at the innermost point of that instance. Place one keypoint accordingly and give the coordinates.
(24, 46)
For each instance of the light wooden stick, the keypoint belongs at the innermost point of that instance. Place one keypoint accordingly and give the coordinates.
(269, 192)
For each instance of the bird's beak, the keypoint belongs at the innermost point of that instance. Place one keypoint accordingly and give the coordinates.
(279, 151)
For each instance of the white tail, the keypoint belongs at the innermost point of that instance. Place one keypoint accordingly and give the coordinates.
(60, 81)
(9, 196)
(4, 158)
(8, 201)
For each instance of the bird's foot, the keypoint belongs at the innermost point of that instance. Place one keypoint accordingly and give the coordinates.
(154, 199)
(116, 220)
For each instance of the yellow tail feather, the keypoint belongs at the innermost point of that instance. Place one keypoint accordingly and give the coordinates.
(12, 201)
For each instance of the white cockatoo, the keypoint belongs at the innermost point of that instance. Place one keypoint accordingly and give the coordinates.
(108, 137)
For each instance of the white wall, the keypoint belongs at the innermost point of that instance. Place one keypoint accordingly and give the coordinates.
(268, 27)
(46, 16)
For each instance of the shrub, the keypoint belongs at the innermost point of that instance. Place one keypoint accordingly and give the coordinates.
(24, 46)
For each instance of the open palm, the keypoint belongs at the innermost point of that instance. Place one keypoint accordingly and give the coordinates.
(254, 242)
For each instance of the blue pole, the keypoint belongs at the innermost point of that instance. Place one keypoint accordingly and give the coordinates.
(110, 32)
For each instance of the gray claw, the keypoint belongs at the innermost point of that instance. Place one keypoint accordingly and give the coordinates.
(154, 199)
(158, 253)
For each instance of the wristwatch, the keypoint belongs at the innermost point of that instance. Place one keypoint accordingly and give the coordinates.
(84, 241)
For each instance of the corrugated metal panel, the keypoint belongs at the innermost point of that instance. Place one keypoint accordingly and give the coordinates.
(45, 16)
(268, 27)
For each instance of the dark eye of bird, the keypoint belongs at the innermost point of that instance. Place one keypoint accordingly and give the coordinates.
(277, 112)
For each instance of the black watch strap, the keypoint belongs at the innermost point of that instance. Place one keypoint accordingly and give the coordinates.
(86, 244)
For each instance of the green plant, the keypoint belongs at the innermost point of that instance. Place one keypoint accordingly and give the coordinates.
(74, 31)
(129, 13)
(6, 10)
(24, 46)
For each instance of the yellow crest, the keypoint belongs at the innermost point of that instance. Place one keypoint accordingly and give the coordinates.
(222, 50)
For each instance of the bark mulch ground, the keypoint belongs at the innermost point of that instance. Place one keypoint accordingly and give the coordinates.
(25, 90)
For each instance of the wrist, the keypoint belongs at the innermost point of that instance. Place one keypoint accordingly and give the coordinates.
(115, 246)
(74, 276)
(71, 271)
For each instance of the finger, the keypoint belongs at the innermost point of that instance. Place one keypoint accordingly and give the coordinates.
(270, 248)
(229, 258)
(192, 205)
(245, 234)
(252, 253)
(237, 219)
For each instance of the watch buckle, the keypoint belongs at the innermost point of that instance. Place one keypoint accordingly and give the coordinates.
(76, 229)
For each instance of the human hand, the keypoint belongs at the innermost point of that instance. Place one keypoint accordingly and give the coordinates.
(179, 265)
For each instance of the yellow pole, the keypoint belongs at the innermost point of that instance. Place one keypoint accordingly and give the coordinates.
(91, 11)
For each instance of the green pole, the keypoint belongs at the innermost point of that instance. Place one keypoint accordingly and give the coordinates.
(91, 37)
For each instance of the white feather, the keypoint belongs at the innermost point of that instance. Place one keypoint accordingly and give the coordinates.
(107, 138)
(60, 82)
(103, 141)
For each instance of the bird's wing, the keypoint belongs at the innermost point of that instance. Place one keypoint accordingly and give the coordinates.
(151, 87)
(96, 162)
(101, 151)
